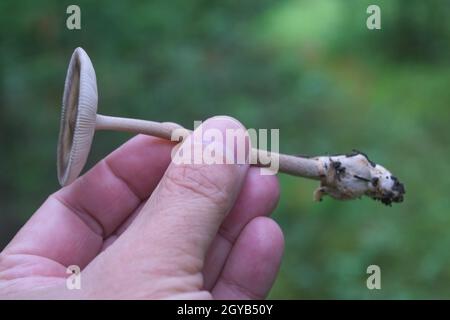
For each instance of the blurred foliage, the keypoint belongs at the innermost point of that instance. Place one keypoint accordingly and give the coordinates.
(310, 68)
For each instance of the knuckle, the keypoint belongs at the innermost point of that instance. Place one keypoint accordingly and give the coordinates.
(201, 181)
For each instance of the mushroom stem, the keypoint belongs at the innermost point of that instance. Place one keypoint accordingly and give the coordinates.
(341, 176)
(297, 166)
(151, 128)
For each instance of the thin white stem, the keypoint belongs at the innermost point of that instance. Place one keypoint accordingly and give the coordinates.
(297, 166)
(342, 177)
(147, 127)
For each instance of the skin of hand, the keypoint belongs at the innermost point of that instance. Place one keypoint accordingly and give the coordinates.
(141, 227)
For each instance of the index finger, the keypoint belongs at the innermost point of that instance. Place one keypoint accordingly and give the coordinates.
(71, 224)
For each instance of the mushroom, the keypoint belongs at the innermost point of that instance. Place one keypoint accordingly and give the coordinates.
(341, 177)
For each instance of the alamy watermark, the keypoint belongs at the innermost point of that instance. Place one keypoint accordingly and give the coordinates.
(73, 21)
(213, 146)
(374, 280)
(73, 281)
(373, 22)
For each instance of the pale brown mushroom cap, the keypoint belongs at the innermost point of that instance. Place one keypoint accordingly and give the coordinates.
(79, 110)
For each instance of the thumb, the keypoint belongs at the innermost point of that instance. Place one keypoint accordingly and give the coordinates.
(181, 218)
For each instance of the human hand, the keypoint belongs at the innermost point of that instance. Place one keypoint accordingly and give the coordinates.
(139, 231)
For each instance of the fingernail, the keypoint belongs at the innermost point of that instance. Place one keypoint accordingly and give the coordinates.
(224, 137)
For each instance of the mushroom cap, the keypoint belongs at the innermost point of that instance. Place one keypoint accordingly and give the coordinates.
(78, 116)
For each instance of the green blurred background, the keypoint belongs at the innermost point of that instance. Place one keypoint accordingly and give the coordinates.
(310, 68)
